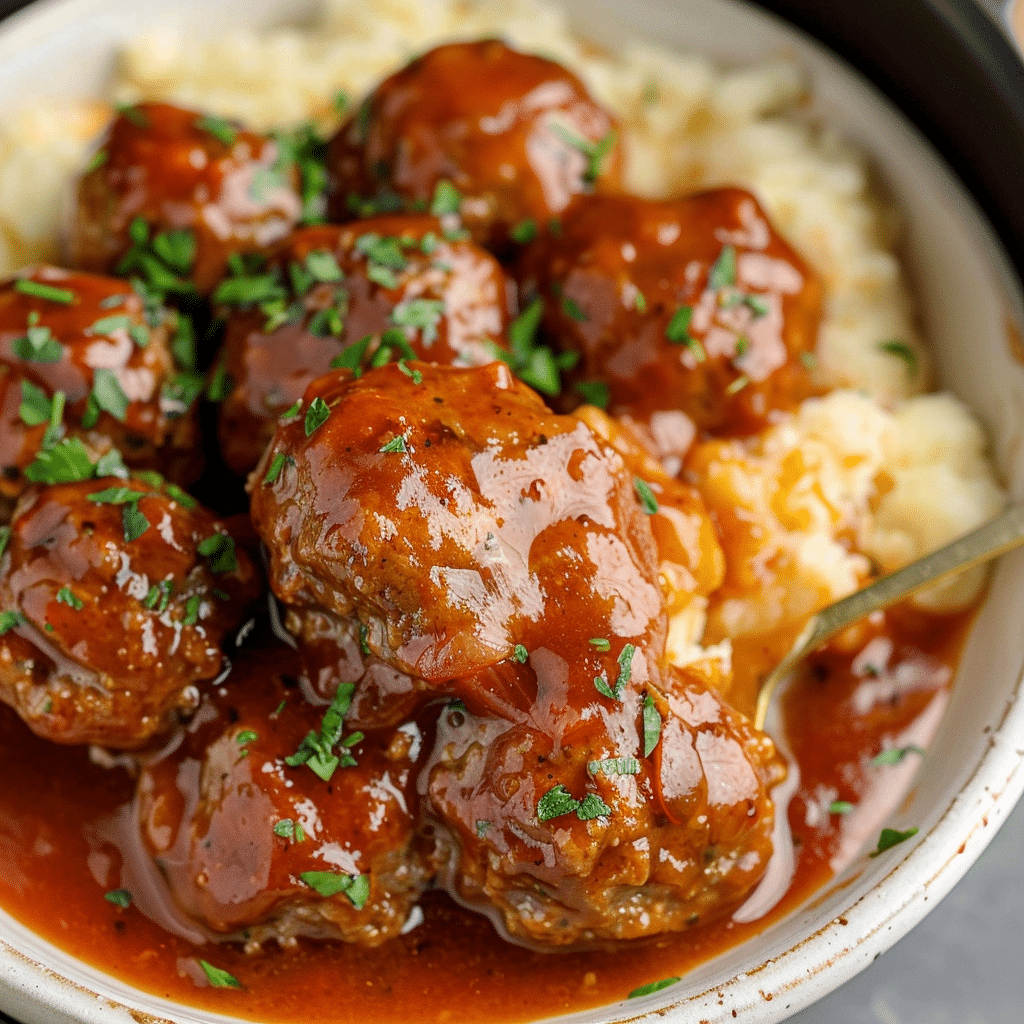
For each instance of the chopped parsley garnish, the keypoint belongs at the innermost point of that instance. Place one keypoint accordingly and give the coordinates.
(446, 200)
(383, 250)
(246, 736)
(520, 653)
(134, 522)
(651, 987)
(280, 460)
(723, 271)
(840, 807)
(396, 444)
(133, 115)
(625, 661)
(678, 333)
(364, 638)
(600, 643)
(756, 305)
(523, 232)
(108, 396)
(572, 309)
(614, 766)
(192, 606)
(652, 725)
(648, 502)
(9, 620)
(219, 548)
(482, 825)
(891, 837)
(316, 415)
(736, 386)
(175, 493)
(901, 350)
(119, 897)
(381, 276)
(5, 539)
(63, 463)
(218, 978)
(330, 883)
(558, 801)
(324, 267)
(116, 496)
(110, 463)
(414, 375)
(38, 345)
(66, 596)
(893, 755)
(35, 407)
(640, 302)
(292, 411)
(159, 596)
(181, 391)
(244, 289)
(742, 346)
(594, 152)
(810, 360)
(109, 324)
(224, 132)
(419, 314)
(27, 286)
(290, 830)
(161, 261)
(96, 161)
(317, 749)
(221, 384)
(534, 364)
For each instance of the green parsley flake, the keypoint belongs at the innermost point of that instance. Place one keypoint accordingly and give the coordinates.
(901, 350)
(572, 309)
(648, 502)
(556, 802)
(292, 411)
(109, 324)
(192, 606)
(651, 987)
(134, 522)
(221, 130)
(736, 386)
(614, 766)
(414, 375)
(600, 643)
(419, 314)
(159, 596)
(316, 415)
(524, 232)
(35, 407)
(64, 463)
(290, 830)
(96, 161)
(66, 596)
(723, 270)
(246, 736)
(520, 653)
(38, 345)
(9, 621)
(27, 286)
(324, 267)
(640, 302)
(840, 807)
(330, 883)
(382, 250)
(396, 444)
(133, 115)
(316, 750)
(891, 837)
(107, 396)
(810, 360)
(219, 548)
(482, 826)
(625, 661)
(592, 806)
(678, 329)
(894, 755)
(5, 539)
(652, 725)
(595, 153)
(447, 199)
(595, 392)
(757, 305)
(279, 462)
(218, 978)
(119, 897)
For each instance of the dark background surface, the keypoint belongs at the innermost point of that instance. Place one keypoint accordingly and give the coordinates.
(964, 964)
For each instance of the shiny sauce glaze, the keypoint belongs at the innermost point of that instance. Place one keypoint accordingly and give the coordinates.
(843, 711)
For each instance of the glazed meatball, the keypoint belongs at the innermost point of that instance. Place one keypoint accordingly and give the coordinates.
(247, 839)
(171, 194)
(453, 516)
(85, 356)
(692, 305)
(504, 139)
(115, 596)
(398, 281)
(603, 819)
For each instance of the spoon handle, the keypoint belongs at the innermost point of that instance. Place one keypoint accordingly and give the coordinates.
(1002, 534)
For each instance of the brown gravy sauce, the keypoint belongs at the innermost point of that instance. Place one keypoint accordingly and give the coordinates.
(843, 709)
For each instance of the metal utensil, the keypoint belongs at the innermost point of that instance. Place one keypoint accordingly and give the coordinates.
(1002, 534)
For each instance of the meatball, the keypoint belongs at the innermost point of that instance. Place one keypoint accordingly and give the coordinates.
(694, 305)
(247, 839)
(171, 194)
(612, 820)
(453, 517)
(115, 596)
(398, 280)
(85, 356)
(504, 139)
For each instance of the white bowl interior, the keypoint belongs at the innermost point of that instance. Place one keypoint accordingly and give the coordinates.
(970, 304)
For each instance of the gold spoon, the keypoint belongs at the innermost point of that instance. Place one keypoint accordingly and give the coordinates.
(1002, 534)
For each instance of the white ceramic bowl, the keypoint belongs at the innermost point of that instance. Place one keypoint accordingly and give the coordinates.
(969, 297)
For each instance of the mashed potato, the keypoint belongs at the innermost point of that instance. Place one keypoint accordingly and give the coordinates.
(877, 471)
